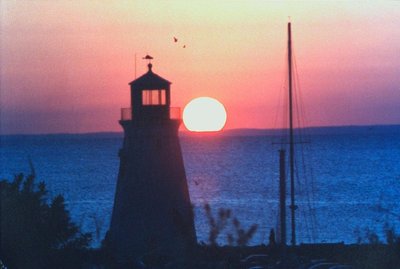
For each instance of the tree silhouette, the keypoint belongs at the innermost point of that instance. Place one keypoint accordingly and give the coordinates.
(216, 224)
(35, 233)
(241, 237)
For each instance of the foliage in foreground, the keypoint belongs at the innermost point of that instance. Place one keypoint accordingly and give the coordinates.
(35, 233)
(241, 237)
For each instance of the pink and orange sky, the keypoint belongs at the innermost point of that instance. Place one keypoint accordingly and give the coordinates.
(66, 65)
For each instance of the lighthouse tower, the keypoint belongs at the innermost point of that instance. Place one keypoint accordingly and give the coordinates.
(152, 214)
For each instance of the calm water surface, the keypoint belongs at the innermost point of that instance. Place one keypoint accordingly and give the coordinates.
(349, 180)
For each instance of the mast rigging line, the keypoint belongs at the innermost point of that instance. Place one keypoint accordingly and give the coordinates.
(296, 114)
(292, 132)
(308, 174)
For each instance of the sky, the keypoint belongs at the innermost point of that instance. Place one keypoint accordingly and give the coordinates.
(65, 65)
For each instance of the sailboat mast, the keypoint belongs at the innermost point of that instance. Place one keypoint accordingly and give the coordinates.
(291, 141)
(282, 196)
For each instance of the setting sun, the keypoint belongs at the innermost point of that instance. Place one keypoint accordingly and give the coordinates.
(204, 114)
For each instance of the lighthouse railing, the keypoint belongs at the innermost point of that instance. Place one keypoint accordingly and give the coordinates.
(174, 113)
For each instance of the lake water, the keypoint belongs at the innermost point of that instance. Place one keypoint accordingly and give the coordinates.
(348, 182)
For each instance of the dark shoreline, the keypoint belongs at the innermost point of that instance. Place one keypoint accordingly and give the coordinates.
(359, 256)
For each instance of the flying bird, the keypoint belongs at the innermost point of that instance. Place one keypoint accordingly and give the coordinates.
(176, 40)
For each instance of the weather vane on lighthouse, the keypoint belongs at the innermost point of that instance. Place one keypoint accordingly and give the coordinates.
(148, 57)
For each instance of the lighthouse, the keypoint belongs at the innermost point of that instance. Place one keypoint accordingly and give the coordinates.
(152, 213)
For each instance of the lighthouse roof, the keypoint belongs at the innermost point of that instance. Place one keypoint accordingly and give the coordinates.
(150, 80)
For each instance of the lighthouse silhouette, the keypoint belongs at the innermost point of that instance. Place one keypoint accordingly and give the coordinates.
(152, 214)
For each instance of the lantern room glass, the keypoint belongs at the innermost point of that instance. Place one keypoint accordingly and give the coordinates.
(154, 97)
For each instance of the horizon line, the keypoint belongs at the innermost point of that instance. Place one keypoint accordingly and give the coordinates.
(205, 133)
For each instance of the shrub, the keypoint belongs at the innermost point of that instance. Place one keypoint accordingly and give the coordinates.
(35, 233)
(240, 237)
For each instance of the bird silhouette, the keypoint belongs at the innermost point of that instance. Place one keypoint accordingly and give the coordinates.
(184, 46)
(175, 39)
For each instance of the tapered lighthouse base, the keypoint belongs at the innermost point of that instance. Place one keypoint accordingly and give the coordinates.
(152, 214)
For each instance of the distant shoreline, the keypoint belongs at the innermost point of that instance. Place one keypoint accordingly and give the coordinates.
(317, 130)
